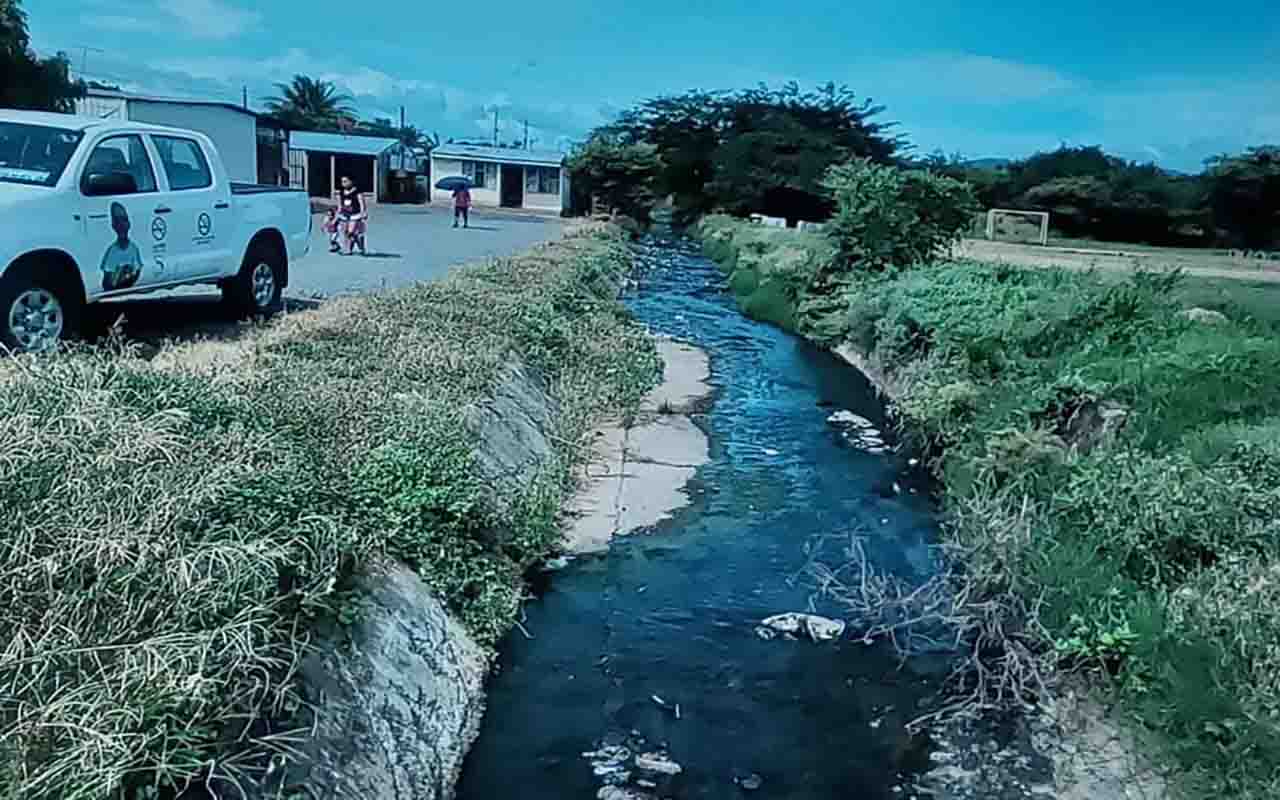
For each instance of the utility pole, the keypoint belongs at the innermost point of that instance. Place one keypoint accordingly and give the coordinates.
(526, 134)
(401, 137)
(244, 96)
(495, 127)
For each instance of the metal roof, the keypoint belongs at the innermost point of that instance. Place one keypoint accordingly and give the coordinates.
(82, 123)
(340, 143)
(505, 155)
(49, 119)
(147, 98)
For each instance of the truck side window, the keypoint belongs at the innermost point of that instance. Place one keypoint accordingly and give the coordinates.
(123, 154)
(184, 163)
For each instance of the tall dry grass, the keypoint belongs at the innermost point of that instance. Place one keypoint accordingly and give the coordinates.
(174, 527)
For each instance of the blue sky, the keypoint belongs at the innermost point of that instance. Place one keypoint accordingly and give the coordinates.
(1171, 81)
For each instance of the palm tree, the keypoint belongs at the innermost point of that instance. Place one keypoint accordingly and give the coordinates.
(311, 103)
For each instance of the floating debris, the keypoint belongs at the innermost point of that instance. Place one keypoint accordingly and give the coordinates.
(750, 783)
(769, 451)
(819, 629)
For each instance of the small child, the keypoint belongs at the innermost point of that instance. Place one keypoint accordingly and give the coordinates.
(331, 228)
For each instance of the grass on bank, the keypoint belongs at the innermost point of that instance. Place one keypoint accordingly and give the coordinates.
(174, 527)
(1156, 556)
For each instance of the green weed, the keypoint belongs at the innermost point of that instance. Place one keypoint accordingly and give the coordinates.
(1148, 555)
(176, 528)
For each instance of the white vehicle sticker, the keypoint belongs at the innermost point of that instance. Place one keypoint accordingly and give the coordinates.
(13, 173)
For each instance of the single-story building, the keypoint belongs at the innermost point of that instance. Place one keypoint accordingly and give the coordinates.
(319, 161)
(253, 146)
(505, 177)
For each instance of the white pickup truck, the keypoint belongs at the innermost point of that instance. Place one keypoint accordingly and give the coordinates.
(93, 209)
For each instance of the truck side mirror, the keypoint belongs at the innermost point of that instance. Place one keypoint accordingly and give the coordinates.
(107, 184)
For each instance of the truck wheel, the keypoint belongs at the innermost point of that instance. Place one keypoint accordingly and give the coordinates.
(36, 314)
(257, 288)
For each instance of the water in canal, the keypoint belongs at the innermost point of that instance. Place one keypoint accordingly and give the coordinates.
(670, 614)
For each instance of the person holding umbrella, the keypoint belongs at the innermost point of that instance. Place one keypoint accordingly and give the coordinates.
(462, 206)
(460, 188)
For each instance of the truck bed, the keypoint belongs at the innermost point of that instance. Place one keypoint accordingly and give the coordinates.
(259, 188)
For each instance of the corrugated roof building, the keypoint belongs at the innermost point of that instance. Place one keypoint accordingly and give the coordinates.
(318, 161)
(252, 146)
(504, 176)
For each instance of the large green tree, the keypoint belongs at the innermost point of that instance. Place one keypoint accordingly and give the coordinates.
(620, 174)
(311, 103)
(759, 150)
(26, 80)
(1244, 193)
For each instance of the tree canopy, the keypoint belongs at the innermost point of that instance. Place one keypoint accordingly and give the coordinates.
(1244, 195)
(757, 150)
(26, 80)
(310, 103)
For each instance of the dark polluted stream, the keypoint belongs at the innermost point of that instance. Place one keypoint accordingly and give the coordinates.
(668, 616)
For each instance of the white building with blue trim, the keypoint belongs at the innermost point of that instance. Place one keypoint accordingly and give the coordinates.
(504, 177)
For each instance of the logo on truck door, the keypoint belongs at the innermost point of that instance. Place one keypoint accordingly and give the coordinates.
(204, 225)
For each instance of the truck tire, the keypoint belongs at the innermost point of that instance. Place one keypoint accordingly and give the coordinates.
(257, 289)
(35, 313)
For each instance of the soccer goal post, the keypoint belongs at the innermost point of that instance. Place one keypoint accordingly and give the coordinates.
(1006, 221)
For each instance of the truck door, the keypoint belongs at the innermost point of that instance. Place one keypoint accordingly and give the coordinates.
(200, 222)
(125, 224)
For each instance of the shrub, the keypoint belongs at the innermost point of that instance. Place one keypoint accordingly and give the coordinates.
(886, 216)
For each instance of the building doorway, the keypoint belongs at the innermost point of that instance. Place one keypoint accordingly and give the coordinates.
(512, 186)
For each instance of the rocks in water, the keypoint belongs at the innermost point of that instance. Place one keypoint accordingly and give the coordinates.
(657, 764)
(622, 793)
(850, 419)
(793, 624)
(859, 431)
(629, 770)
(555, 564)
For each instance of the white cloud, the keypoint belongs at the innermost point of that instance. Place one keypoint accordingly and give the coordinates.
(201, 19)
(126, 24)
(969, 77)
(214, 19)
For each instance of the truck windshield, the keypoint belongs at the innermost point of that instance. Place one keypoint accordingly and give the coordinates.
(35, 155)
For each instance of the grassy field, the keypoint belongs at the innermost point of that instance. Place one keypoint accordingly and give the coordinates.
(1120, 258)
(1143, 552)
(175, 525)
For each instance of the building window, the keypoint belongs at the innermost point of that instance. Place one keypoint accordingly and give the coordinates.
(542, 180)
(484, 176)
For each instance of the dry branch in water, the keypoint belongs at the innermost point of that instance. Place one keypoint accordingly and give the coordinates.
(995, 634)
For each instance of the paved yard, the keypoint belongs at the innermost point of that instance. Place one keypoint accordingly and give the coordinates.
(406, 244)
(416, 243)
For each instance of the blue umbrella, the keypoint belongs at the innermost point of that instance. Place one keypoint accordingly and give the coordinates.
(454, 183)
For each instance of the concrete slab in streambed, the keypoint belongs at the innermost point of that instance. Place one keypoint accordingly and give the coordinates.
(636, 476)
(686, 370)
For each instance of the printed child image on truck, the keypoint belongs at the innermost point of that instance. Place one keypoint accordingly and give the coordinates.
(122, 263)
